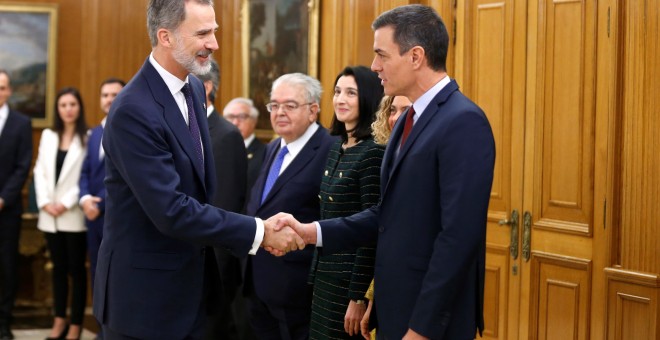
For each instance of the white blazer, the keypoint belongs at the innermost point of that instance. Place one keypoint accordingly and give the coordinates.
(66, 191)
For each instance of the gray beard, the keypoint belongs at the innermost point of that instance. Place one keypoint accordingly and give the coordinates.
(190, 64)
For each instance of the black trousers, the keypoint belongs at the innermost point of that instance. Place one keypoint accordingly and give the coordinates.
(68, 252)
(10, 227)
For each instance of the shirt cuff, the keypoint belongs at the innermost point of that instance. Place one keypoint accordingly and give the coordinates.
(258, 237)
(319, 237)
(82, 199)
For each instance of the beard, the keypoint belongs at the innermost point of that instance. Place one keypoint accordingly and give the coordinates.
(189, 62)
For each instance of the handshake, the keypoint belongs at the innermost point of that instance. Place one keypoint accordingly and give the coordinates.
(283, 233)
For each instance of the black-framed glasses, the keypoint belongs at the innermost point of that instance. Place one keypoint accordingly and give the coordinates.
(286, 106)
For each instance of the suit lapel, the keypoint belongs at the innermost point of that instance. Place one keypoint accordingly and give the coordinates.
(297, 165)
(431, 111)
(173, 116)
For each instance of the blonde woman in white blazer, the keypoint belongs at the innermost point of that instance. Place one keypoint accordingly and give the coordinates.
(56, 175)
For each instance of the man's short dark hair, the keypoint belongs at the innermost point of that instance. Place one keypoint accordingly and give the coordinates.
(112, 80)
(418, 25)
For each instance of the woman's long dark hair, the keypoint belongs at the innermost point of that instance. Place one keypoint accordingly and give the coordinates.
(370, 92)
(81, 126)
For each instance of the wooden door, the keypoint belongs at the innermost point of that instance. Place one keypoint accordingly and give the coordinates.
(531, 65)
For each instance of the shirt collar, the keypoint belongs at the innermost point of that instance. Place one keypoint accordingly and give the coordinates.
(209, 110)
(4, 112)
(424, 101)
(173, 83)
(297, 145)
(103, 122)
(249, 140)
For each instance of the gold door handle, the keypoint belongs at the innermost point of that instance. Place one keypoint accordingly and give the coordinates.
(513, 222)
(527, 235)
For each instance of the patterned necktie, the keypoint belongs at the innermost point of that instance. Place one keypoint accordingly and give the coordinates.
(274, 172)
(408, 126)
(193, 127)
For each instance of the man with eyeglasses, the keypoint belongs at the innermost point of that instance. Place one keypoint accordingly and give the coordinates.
(280, 298)
(242, 113)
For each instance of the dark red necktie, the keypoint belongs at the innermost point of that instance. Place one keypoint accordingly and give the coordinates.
(407, 127)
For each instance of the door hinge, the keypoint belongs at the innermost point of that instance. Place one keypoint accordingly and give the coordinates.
(605, 214)
(608, 21)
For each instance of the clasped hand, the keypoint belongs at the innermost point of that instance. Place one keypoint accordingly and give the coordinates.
(283, 233)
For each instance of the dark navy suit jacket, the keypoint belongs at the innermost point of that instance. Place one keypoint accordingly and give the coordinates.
(150, 273)
(282, 281)
(430, 224)
(15, 158)
(92, 175)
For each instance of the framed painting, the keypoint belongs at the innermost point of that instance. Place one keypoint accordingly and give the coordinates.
(28, 40)
(279, 37)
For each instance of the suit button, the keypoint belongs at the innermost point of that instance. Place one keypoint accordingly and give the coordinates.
(381, 229)
(326, 172)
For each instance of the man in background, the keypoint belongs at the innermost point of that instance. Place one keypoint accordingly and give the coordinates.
(92, 189)
(231, 174)
(242, 113)
(15, 159)
(280, 298)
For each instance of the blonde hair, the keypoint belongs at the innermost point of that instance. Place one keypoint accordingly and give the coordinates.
(380, 128)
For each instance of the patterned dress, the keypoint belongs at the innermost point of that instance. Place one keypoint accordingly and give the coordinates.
(350, 184)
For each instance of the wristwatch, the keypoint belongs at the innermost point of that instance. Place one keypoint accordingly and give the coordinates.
(359, 302)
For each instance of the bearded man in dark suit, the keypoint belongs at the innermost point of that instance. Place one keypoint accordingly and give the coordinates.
(151, 280)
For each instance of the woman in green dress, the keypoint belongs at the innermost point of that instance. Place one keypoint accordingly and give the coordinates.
(350, 184)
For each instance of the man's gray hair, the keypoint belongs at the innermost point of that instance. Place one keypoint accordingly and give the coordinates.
(167, 14)
(254, 113)
(310, 85)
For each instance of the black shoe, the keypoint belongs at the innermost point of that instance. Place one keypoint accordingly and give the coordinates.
(62, 335)
(5, 333)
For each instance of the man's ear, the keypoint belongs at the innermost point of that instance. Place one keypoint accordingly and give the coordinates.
(314, 108)
(208, 86)
(417, 55)
(165, 37)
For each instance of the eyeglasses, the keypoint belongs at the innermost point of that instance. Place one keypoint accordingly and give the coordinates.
(286, 107)
(237, 116)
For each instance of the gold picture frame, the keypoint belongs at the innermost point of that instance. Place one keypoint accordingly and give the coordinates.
(28, 43)
(278, 37)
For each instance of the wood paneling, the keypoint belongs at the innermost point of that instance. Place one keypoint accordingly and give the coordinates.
(633, 308)
(495, 292)
(561, 293)
(639, 46)
(345, 41)
(566, 108)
